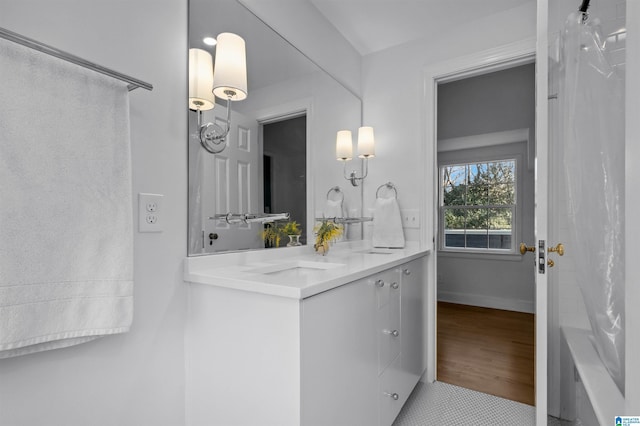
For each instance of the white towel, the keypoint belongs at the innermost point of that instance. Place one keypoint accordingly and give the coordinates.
(333, 208)
(66, 226)
(387, 224)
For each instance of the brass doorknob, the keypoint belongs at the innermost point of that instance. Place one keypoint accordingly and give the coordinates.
(524, 248)
(559, 248)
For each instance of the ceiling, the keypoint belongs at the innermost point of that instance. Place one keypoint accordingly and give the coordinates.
(374, 25)
(369, 25)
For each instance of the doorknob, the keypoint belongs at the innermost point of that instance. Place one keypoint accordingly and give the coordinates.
(559, 248)
(524, 248)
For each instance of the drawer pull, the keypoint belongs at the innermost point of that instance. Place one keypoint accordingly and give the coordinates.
(395, 286)
(379, 283)
(393, 396)
(406, 271)
(394, 333)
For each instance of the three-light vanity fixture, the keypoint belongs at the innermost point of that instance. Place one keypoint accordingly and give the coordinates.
(366, 150)
(227, 80)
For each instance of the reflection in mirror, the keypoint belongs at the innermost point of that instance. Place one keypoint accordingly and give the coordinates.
(283, 129)
(284, 168)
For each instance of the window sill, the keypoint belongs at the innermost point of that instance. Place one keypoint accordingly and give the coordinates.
(508, 256)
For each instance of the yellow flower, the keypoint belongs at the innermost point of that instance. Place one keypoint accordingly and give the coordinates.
(326, 231)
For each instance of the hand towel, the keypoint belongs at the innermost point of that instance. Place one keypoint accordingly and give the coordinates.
(333, 208)
(387, 224)
(66, 225)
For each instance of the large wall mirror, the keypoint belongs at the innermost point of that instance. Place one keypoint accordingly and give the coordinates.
(282, 137)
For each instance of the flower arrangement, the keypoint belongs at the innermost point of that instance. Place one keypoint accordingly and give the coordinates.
(291, 228)
(271, 235)
(326, 232)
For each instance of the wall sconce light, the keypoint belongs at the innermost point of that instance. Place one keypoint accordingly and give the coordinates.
(227, 80)
(366, 150)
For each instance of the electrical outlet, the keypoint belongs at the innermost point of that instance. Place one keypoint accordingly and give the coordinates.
(149, 212)
(410, 218)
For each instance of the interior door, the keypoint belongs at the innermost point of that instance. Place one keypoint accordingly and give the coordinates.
(541, 212)
(233, 177)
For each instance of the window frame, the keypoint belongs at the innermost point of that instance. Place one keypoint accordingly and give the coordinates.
(485, 154)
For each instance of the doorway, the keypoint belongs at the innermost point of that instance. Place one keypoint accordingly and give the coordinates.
(284, 171)
(485, 287)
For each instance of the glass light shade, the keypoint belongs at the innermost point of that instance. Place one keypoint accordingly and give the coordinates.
(344, 145)
(230, 72)
(200, 80)
(366, 143)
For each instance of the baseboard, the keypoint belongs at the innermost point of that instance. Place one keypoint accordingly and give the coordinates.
(487, 301)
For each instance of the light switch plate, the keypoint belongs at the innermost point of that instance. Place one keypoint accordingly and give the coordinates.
(410, 218)
(150, 212)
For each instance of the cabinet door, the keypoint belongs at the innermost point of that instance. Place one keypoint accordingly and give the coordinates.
(392, 393)
(413, 350)
(387, 317)
(339, 358)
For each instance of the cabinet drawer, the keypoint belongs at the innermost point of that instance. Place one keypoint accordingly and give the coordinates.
(389, 329)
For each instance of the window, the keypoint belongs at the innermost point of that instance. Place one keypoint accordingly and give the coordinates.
(478, 206)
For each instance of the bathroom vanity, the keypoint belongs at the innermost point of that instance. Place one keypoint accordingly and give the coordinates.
(288, 337)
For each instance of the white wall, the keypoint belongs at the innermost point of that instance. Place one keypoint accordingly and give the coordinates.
(393, 87)
(135, 378)
(313, 35)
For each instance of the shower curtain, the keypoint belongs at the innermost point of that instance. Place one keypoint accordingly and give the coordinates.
(591, 96)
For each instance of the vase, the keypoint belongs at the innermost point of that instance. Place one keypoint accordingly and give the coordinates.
(294, 240)
(322, 248)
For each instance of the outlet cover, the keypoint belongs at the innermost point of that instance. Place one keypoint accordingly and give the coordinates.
(150, 212)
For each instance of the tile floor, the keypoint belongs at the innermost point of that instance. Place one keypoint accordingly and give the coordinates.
(441, 403)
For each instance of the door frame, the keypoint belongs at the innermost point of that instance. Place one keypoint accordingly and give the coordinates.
(491, 60)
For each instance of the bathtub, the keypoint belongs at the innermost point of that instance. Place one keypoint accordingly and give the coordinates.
(587, 392)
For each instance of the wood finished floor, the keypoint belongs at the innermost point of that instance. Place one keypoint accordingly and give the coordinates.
(487, 350)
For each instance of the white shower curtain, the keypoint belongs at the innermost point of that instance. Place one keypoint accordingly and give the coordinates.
(591, 96)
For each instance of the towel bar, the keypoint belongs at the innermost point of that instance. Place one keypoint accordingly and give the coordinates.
(337, 190)
(133, 83)
(388, 185)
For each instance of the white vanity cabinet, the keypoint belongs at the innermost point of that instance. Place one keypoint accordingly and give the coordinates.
(363, 348)
(350, 355)
(340, 356)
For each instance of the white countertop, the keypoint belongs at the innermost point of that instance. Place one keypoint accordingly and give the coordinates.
(296, 272)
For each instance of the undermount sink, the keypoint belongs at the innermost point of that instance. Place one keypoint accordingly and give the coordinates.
(379, 251)
(297, 267)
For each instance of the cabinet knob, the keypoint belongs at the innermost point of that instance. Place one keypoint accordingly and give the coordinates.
(393, 396)
(394, 333)
(379, 283)
(406, 271)
(395, 286)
